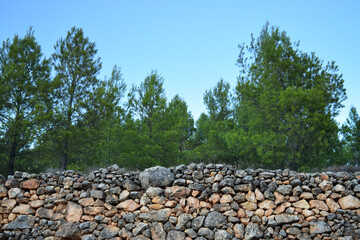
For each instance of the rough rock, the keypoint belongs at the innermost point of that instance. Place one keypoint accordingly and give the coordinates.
(73, 212)
(349, 202)
(319, 227)
(156, 215)
(30, 184)
(252, 231)
(108, 232)
(68, 231)
(156, 177)
(157, 231)
(175, 235)
(215, 220)
(21, 222)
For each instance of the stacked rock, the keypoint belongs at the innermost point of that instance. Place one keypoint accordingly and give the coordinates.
(198, 201)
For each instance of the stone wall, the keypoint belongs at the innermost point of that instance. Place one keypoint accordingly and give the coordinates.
(198, 201)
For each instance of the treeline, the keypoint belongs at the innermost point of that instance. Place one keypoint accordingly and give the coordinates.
(55, 113)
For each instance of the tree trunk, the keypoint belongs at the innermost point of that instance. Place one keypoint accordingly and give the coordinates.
(12, 157)
(64, 160)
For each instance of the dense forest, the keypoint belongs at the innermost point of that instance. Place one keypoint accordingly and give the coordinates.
(55, 112)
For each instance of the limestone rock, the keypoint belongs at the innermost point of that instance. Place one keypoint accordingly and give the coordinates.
(73, 212)
(128, 205)
(252, 231)
(301, 204)
(325, 185)
(319, 205)
(349, 202)
(3, 191)
(108, 232)
(156, 177)
(175, 235)
(319, 227)
(157, 231)
(267, 204)
(156, 215)
(68, 231)
(215, 220)
(22, 222)
(222, 235)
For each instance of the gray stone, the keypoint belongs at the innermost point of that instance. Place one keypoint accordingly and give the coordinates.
(3, 191)
(68, 231)
(14, 192)
(157, 231)
(175, 235)
(239, 230)
(206, 232)
(222, 235)
(197, 222)
(156, 177)
(21, 222)
(215, 220)
(286, 218)
(89, 237)
(183, 219)
(154, 192)
(130, 185)
(156, 216)
(266, 175)
(97, 194)
(252, 231)
(139, 227)
(284, 189)
(319, 227)
(108, 232)
(191, 233)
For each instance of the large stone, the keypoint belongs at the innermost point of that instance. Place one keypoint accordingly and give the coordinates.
(161, 215)
(222, 235)
(14, 192)
(284, 189)
(349, 202)
(239, 230)
(177, 191)
(97, 194)
(130, 185)
(74, 212)
(267, 204)
(156, 177)
(109, 232)
(325, 185)
(128, 205)
(183, 219)
(334, 206)
(301, 204)
(206, 233)
(85, 202)
(30, 184)
(3, 191)
(157, 231)
(286, 218)
(320, 205)
(8, 203)
(22, 222)
(23, 209)
(319, 227)
(68, 231)
(44, 213)
(36, 203)
(215, 220)
(175, 235)
(252, 231)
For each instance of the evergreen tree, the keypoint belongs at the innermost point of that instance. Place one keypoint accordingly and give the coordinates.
(351, 133)
(76, 69)
(286, 103)
(24, 93)
(213, 126)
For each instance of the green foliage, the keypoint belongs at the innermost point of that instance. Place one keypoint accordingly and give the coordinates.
(212, 127)
(76, 68)
(351, 134)
(286, 101)
(24, 81)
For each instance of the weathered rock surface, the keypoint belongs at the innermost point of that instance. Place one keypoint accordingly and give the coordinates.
(156, 177)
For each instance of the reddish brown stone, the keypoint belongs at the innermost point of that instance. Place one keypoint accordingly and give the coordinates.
(30, 184)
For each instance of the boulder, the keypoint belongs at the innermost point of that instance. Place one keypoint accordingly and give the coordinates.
(156, 177)
(349, 202)
(215, 220)
(68, 231)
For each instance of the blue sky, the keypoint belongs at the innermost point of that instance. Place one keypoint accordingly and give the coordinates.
(192, 44)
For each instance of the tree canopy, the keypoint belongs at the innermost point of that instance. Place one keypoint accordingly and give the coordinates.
(56, 113)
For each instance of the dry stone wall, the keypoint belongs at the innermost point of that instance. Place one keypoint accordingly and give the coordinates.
(198, 201)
